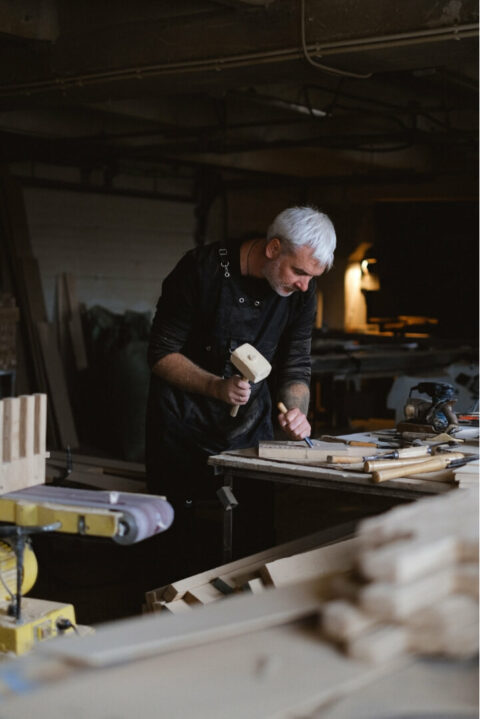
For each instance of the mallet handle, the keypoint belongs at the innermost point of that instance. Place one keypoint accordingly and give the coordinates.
(234, 410)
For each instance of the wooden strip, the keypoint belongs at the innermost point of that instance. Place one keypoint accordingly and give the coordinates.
(40, 434)
(343, 621)
(381, 644)
(27, 426)
(11, 429)
(118, 466)
(75, 324)
(406, 560)
(395, 602)
(203, 595)
(319, 562)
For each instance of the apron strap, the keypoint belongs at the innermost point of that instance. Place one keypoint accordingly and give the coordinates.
(224, 261)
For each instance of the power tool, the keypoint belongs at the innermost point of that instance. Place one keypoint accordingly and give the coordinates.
(433, 416)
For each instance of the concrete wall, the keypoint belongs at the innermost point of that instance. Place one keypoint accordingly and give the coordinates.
(118, 248)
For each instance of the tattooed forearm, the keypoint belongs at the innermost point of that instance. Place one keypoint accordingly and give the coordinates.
(295, 394)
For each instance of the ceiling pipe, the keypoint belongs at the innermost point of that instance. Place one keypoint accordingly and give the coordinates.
(453, 32)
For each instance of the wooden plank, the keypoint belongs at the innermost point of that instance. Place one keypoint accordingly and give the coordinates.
(98, 480)
(75, 324)
(279, 672)
(40, 436)
(408, 559)
(118, 466)
(380, 644)
(27, 426)
(11, 429)
(144, 637)
(394, 602)
(343, 621)
(202, 595)
(318, 562)
(58, 392)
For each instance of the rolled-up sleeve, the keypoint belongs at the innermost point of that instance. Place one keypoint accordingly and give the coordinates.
(175, 310)
(294, 356)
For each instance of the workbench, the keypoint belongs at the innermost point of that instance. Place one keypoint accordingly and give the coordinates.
(245, 465)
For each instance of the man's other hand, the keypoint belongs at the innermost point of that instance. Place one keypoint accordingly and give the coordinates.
(295, 424)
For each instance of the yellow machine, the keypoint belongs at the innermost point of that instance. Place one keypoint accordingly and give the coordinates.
(28, 506)
(27, 621)
(125, 518)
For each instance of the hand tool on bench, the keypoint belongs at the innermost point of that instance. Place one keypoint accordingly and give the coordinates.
(446, 461)
(251, 364)
(284, 410)
(406, 452)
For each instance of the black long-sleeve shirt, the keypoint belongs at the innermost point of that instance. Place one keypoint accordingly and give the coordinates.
(205, 315)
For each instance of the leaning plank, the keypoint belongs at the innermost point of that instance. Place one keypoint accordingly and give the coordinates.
(57, 385)
(159, 633)
(279, 672)
(322, 561)
(75, 324)
(118, 466)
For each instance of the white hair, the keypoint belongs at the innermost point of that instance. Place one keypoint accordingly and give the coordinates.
(297, 226)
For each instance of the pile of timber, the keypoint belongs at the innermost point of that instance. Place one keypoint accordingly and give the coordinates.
(316, 555)
(406, 582)
(415, 585)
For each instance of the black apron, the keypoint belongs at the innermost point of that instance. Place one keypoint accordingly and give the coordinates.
(184, 429)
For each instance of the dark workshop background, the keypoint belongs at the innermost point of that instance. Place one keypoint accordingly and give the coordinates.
(129, 132)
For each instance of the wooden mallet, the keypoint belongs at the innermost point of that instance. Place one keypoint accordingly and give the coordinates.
(252, 366)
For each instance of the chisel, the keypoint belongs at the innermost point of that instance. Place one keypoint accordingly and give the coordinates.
(284, 410)
(447, 461)
(400, 453)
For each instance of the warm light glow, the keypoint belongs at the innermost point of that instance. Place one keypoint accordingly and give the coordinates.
(355, 304)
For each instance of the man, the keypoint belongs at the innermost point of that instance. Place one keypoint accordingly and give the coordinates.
(258, 291)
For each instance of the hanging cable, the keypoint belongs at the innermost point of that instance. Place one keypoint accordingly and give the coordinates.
(319, 65)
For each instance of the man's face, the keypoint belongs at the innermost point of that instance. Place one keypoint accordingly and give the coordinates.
(289, 272)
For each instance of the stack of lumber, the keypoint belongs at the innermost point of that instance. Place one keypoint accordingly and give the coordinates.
(416, 587)
(293, 562)
(96, 472)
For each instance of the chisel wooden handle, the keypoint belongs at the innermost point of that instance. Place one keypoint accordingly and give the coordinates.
(284, 410)
(378, 464)
(234, 410)
(344, 459)
(413, 451)
(429, 465)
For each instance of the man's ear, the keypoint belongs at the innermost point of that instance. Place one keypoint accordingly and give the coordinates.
(273, 248)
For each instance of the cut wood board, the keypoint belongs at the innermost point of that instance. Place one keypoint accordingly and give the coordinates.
(272, 674)
(338, 557)
(75, 323)
(118, 466)
(150, 635)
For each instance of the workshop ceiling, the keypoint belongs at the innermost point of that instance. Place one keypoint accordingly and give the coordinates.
(305, 88)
